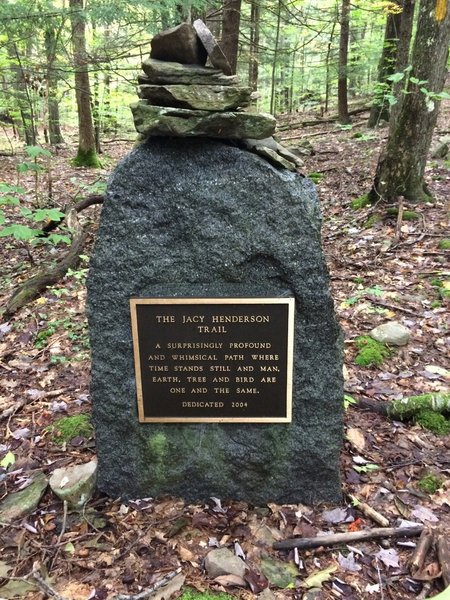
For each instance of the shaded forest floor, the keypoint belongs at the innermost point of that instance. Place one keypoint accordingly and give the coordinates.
(380, 271)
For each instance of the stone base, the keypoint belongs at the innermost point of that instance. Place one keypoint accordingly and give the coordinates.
(201, 217)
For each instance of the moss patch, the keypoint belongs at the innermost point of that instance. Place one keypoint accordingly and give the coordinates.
(191, 594)
(430, 483)
(372, 220)
(433, 421)
(408, 215)
(316, 177)
(86, 158)
(67, 428)
(371, 353)
(444, 244)
(360, 202)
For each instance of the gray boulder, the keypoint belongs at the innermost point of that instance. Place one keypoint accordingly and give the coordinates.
(200, 217)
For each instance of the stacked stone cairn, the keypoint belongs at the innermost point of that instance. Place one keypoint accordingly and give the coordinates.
(181, 97)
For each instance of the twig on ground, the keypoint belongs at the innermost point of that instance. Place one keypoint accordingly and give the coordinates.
(148, 592)
(344, 538)
(398, 227)
(369, 512)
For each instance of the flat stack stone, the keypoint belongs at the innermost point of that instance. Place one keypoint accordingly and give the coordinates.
(180, 97)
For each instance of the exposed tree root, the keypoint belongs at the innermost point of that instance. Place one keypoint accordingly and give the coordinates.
(31, 288)
(407, 408)
(78, 207)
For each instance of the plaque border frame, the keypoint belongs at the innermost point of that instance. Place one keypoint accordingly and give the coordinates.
(289, 301)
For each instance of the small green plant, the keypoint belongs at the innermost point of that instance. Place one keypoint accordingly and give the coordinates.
(315, 177)
(369, 467)
(444, 244)
(442, 287)
(360, 202)
(370, 291)
(348, 401)
(67, 428)
(430, 483)
(371, 353)
(364, 137)
(433, 421)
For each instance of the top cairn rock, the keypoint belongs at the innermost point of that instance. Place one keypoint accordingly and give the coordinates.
(179, 44)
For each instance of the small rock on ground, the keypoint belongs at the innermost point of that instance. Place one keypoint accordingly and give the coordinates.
(393, 333)
(75, 484)
(222, 561)
(20, 504)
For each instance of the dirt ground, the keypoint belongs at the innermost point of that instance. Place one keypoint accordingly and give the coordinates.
(380, 270)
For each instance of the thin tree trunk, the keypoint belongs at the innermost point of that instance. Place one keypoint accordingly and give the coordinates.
(328, 60)
(54, 126)
(275, 60)
(23, 97)
(401, 168)
(386, 66)
(230, 31)
(343, 63)
(86, 156)
(253, 64)
(402, 58)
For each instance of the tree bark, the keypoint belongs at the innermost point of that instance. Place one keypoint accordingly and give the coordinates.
(54, 126)
(86, 156)
(343, 63)
(402, 57)
(401, 168)
(386, 66)
(231, 18)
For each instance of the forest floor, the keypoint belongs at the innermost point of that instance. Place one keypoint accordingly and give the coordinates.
(380, 271)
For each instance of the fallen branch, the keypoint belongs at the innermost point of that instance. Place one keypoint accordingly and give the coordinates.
(78, 207)
(345, 538)
(319, 121)
(31, 288)
(409, 407)
(423, 545)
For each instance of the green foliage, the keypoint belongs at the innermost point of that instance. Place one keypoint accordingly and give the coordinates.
(370, 291)
(444, 244)
(360, 202)
(65, 429)
(433, 421)
(371, 353)
(442, 287)
(430, 483)
(348, 401)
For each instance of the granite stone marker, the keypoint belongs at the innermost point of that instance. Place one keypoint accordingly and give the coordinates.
(202, 218)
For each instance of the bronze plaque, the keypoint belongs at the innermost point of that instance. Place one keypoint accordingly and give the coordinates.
(213, 359)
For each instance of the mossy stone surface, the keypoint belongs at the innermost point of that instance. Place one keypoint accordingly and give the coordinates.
(67, 428)
(370, 352)
(192, 218)
(20, 504)
(360, 202)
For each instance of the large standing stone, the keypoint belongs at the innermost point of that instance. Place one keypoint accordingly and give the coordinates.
(152, 120)
(162, 72)
(197, 97)
(179, 44)
(205, 218)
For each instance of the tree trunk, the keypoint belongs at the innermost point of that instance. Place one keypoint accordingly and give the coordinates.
(402, 58)
(386, 66)
(254, 45)
(86, 156)
(54, 126)
(343, 62)
(328, 61)
(231, 18)
(400, 170)
(24, 103)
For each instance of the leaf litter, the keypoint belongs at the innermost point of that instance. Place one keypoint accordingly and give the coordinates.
(123, 548)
